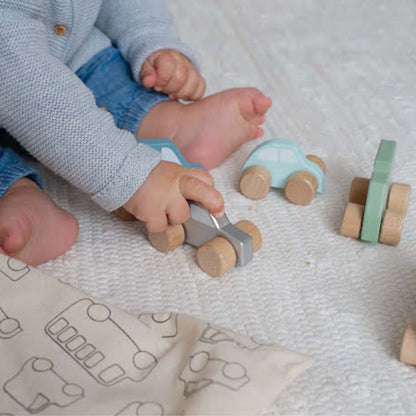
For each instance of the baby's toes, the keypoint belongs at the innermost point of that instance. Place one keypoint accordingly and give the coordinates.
(253, 131)
(14, 238)
(261, 104)
(259, 132)
(257, 119)
(253, 106)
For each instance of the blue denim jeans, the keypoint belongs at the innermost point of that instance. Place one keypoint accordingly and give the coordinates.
(109, 78)
(12, 168)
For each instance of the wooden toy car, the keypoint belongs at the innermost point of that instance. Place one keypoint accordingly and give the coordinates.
(280, 163)
(221, 245)
(169, 151)
(375, 211)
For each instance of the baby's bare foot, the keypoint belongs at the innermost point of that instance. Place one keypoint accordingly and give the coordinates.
(209, 130)
(32, 227)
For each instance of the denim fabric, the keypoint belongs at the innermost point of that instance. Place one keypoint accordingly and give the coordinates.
(110, 79)
(12, 168)
(8, 141)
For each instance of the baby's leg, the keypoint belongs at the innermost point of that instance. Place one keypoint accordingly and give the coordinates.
(32, 227)
(206, 131)
(209, 130)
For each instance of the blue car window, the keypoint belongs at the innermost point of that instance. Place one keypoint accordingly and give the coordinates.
(269, 154)
(288, 156)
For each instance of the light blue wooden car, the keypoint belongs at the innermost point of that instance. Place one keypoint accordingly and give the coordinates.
(169, 152)
(281, 163)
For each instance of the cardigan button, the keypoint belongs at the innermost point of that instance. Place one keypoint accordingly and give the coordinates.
(60, 30)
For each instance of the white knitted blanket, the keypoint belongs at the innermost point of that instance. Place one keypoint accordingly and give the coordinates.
(342, 76)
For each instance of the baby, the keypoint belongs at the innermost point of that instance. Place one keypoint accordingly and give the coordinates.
(61, 64)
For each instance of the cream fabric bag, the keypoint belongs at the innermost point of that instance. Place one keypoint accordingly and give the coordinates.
(66, 353)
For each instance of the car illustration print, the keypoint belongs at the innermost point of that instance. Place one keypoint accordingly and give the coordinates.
(9, 327)
(202, 370)
(38, 386)
(86, 331)
(13, 269)
(220, 244)
(281, 163)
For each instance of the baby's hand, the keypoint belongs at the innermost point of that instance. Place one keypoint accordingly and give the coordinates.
(173, 74)
(162, 199)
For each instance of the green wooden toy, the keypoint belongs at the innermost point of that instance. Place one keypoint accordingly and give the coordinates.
(378, 189)
(376, 211)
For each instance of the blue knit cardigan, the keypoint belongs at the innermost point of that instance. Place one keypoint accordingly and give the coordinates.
(52, 113)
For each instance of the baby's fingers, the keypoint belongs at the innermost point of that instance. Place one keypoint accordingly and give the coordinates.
(148, 75)
(171, 83)
(192, 90)
(202, 175)
(178, 211)
(197, 190)
(167, 74)
(157, 222)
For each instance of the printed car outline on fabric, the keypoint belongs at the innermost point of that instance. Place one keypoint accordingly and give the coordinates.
(78, 329)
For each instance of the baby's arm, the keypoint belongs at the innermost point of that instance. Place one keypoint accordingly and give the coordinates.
(54, 116)
(144, 32)
(163, 197)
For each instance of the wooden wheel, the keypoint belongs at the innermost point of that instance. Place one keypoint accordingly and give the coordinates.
(168, 240)
(353, 218)
(251, 229)
(255, 182)
(408, 350)
(301, 188)
(359, 190)
(216, 256)
(391, 228)
(399, 198)
(318, 161)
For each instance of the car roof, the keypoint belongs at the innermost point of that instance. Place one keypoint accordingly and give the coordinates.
(163, 143)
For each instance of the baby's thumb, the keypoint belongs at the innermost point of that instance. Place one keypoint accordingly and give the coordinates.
(148, 75)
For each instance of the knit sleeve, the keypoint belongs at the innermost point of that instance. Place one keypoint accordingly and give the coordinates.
(139, 28)
(54, 116)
